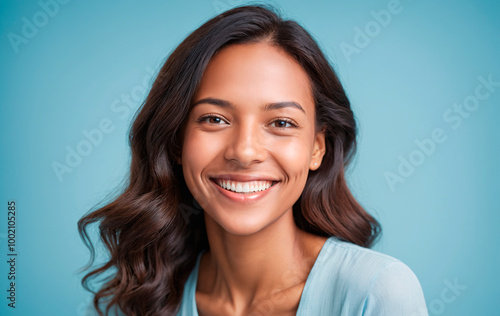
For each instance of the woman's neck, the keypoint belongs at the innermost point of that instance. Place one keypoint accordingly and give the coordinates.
(271, 263)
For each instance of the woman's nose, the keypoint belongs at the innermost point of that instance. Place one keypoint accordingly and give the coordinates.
(246, 145)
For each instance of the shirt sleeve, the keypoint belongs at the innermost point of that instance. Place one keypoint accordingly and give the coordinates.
(395, 291)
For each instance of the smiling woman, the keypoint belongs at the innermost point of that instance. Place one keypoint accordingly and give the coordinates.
(248, 120)
(254, 122)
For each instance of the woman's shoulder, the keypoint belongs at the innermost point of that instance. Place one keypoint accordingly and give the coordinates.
(380, 283)
(340, 255)
(360, 266)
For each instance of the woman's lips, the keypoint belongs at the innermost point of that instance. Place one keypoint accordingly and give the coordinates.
(243, 196)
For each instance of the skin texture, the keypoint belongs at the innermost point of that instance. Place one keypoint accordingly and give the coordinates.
(259, 259)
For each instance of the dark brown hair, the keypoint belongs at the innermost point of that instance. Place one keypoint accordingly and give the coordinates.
(154, 229)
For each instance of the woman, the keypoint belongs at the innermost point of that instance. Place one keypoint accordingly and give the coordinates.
(237, 202)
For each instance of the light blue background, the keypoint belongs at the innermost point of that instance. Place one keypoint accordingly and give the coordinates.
(442, 221)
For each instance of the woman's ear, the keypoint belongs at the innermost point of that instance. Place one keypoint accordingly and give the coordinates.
(319, 150)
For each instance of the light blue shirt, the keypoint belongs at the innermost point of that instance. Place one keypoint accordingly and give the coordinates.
(346, 280)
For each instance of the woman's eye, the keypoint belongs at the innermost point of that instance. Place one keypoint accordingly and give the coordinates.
(283, 123)
(212, 119)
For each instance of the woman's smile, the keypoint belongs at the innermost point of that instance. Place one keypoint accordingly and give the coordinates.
(244, 187)
(248, 191)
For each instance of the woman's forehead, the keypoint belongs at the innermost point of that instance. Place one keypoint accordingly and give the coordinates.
(255, 73)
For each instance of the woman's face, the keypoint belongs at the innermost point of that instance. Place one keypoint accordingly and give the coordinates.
(251, 130)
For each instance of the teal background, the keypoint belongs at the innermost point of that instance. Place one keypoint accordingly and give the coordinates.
(84, 61)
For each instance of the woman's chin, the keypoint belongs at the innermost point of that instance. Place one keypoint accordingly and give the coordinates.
(243, 225)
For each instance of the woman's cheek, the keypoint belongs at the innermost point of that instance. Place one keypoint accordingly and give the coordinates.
(294, 153)
(196, 142)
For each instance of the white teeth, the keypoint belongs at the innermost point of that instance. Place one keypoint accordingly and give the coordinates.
(244, 187)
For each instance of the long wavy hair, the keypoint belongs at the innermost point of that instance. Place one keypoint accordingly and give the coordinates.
(155, 229)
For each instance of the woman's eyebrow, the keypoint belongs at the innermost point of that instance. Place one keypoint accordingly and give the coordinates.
(267, 107)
